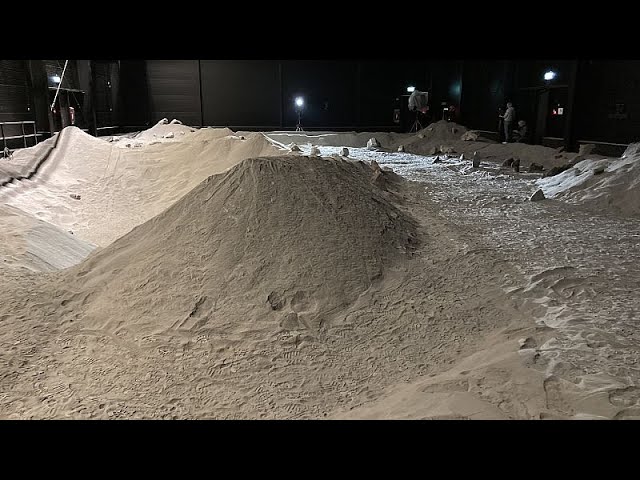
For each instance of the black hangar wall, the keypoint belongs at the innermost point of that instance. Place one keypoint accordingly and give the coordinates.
(174, 90)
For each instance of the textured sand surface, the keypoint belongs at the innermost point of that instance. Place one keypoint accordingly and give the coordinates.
(237, 281)
(26, 242)
(602, 184)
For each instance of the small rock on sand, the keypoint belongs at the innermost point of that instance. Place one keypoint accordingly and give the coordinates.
(539, 195)
(447, 149)
(344, 152)
(475, 160)
(527, 342)
(373, 143)
(290, 321)
(469, 136)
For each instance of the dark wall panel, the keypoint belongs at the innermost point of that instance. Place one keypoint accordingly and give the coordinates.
(446, 87)
(133, 100)
(39, 94)
(83, 113)
(243, 93)
(602, 86)
(106, 92)
(382, 85)
(15, 98)
(174, 90)
(329, 90)
(483, 92)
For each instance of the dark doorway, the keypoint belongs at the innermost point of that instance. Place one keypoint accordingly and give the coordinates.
(541, 116)
(556, 113)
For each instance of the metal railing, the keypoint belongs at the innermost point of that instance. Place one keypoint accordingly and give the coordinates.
(24, 135)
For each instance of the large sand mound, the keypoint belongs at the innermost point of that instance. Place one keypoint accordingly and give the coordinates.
(290, 239)
(603, 184)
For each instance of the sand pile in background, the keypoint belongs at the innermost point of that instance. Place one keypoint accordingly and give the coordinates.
(442, 131)
(163, 131)
(435, 133)
(120, 188)
(292, 240)
(24, 161)
(431, 140)
(605, 184)
(388, 140)
(29, 243)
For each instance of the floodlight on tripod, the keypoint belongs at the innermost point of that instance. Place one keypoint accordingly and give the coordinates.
(418, 102)
(299, 102)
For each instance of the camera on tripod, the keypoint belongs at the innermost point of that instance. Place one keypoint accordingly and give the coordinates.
(418, 102)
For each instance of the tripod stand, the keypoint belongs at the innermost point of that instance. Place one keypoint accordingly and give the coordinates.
(299, 125)
(416, 125)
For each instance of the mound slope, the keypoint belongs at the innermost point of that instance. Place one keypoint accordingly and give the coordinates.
(287, 240)
(604, 184)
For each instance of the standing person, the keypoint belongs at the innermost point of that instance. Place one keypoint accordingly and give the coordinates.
(508, 118)
(500, 124)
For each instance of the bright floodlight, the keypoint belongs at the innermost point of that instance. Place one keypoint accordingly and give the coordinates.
(411, 89)
(55, 79)
(299, 102)
(550, 75)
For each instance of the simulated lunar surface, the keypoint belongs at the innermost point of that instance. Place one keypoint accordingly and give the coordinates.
(184, 273)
